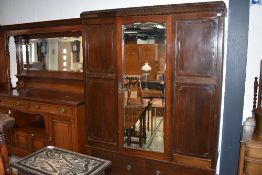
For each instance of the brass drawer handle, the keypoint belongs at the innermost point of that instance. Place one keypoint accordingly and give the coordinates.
(18, 103)
(128, 167)
(62, 110)
(37, 106)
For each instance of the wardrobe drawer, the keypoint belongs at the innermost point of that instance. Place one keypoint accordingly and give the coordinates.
(53, 109)
(157, 168)
(162, 168)
(128, 166)
(13, 103)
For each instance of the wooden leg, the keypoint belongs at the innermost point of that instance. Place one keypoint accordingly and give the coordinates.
(4, 155)
(141, 131)
(144, 126)
(242, 158)
(128, 140)
(2, 168)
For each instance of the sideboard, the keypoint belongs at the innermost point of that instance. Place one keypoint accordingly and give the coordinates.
(44, 118)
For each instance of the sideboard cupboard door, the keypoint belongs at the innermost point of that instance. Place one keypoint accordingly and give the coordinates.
(99, 37)
(61, 132)
(197, 65)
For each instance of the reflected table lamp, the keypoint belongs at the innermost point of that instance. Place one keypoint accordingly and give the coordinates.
(146, 68)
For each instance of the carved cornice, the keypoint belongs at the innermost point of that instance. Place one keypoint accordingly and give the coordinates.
(43, 24)
(218, 6)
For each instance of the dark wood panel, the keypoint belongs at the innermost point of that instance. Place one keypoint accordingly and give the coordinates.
(100, 43)
(3, 65)
(102, 112)
(193, 119)
(68, 86)
(196, 46)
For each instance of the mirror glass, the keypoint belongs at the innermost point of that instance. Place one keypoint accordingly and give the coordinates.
(53, 54)
(144, 68)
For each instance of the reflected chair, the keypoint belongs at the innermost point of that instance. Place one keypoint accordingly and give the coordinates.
(135, 110)
(6, 122)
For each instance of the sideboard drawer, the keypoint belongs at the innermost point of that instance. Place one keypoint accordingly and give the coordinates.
(52, 109)
(253, 167)
(14, 103)
(254, 150)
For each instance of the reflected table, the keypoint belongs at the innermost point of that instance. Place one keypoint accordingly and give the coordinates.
(56, 161)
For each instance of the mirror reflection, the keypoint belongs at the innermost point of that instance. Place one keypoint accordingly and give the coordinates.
(53, 54)
(144, 65)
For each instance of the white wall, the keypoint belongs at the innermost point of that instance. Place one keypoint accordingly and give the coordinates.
(253, 57)
(23, 11)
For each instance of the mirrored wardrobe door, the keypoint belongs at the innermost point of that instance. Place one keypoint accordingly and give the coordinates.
(144, 72)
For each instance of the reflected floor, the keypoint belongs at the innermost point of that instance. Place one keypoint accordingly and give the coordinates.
(155, 136)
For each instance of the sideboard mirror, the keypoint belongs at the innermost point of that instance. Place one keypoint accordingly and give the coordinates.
(144, 64)
(53, 54)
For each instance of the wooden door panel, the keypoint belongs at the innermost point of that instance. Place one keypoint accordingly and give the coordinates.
(131, 60)
(102, 111)
(22, 140)
(196, 47)
(100, 48)
(39, 142)
(62, 134)
(193, 119)
(148, 53)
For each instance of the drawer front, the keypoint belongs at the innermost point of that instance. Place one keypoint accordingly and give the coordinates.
(52, 109)
(14, 103)
(161, 168)
(253, 167)
(128, 166)
(254, 150)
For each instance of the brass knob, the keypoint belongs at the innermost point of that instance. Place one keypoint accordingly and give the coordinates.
(158, 172)
(37, 106)
(128, 167)
(18, 103)
(62, 110)
(32, 134)
(50, 138)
